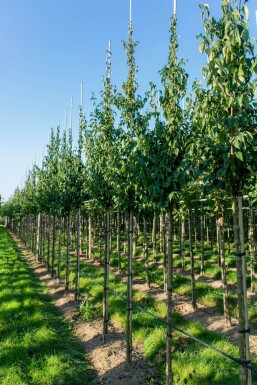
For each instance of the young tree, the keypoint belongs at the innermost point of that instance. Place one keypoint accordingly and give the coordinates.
(226, 113)
(101, 150)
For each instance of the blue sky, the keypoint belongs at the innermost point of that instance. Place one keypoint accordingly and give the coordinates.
(48, 47)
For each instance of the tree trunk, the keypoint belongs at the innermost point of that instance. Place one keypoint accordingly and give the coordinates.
(223, 265)
(67, 273)
(77, 286)
(106, 275)
(44, 241)
(161, 247)
(145, 249)
(218, 240)
(202, 242)
(154, 238)
(89, 237)
(38, 237)
(48, 242)
(244, 350)
(135, 237)
(192, 260)
(164, 252)
(118, 242)
(53, 245)
(59, 250)
(129, 347)
(169, 374)
(183, 244)
(251, 246)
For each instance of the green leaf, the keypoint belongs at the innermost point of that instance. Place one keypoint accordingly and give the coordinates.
(246, 11)
(241, 74)
(245, 35)
(239, 155)
(201, 47)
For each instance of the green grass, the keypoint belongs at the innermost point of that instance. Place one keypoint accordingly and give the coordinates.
(36, 345)
(193, 363)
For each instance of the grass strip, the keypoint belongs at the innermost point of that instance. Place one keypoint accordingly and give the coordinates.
(36, 345)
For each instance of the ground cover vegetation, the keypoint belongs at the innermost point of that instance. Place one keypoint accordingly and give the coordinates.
(163, 192)
(36, 345)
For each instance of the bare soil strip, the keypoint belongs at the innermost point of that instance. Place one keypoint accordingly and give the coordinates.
(108, 359)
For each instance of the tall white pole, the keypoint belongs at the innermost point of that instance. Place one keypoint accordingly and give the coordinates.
(65, 119)
(109, 48)
(175, 7)
(130, 11)
(81, 94)
(71, 108)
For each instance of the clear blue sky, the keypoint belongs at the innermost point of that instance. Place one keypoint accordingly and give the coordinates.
(48, 47)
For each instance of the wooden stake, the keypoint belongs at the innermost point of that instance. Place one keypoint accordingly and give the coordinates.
(169, 374)
(129, 289)
(77, 282)
(106, 274)
(242, 251)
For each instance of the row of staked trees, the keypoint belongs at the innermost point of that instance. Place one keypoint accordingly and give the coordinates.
(149, 156)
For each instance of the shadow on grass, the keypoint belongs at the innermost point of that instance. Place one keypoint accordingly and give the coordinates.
(36, 344)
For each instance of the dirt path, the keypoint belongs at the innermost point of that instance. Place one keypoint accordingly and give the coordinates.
(108, 359)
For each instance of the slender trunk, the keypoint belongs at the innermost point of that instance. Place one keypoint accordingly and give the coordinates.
(135, 237)
(211, 234)
(228, 234)
(218, 240)
(164, 252)
(53, 245)
(183, 244)
(145, 249)
(118, 242)
(195, 228)
(59, 250)
(129, 347)
(100, 226)
(154, 238)
(44, 241)
(202, 242)
(67, 273)
(161, 247)
(77, 282)
(89, 237)
(32, 234)
(251, 246)
(125, 237)
(41, 238)
(38, 237)
(48, 242)
(244, 350)
(106, 275)
(207, 230)
(192, 260)
(223, 265)
(169, 374)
